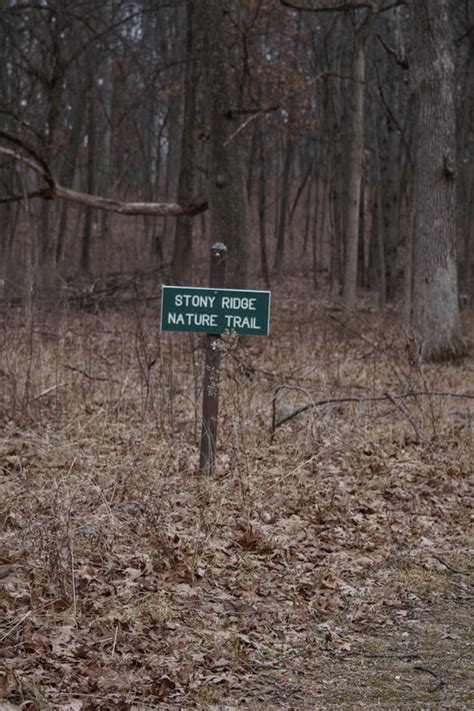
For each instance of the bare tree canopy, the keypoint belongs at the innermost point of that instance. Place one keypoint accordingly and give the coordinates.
(297, 131)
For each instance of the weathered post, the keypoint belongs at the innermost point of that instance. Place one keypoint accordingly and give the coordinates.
(210, 402)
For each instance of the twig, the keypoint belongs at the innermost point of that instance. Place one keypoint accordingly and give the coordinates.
(448, 566)
(380, 398)
(400, 60)
(420, 437)
(115, 640)
(29, 195)
(275, 424)
(344, 7)
(368, 655)
(91, 377)
(427, 670)
(12, 629)
(50, 390)
(73, 580)
(377, 346)
(290, 473)
(252, 117)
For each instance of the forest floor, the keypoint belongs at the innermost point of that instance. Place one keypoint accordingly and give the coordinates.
(326, 565)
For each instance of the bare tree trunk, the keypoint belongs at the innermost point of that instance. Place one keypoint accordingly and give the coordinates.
(173, 162)
(262, 212)
(468, 245)
(435, 293)
(379, 226)
(314, 235)
(47, 232)
(67, 172)
(390, 175)
(279, 263)
(226, 179)
(309, 192)
(181, 263)
(408, 266)
(335, 265)
(85, 265)
(356, 158)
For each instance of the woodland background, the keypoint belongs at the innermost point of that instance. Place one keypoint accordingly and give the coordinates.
(327, 562)
(300, 127)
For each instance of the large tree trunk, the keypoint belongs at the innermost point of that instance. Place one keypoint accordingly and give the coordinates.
(226, 180)
(435, 292)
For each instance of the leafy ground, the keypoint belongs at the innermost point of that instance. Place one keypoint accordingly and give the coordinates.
(325, 566)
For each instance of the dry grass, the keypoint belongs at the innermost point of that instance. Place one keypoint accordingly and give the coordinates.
(326, 566)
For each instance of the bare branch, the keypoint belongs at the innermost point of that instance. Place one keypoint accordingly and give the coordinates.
(253, 115)
(448, 566)
(36, 161)
(342, 400)
(354, 5)
(45, 194)
(231, 113)
(465, 34)
(345, 7)
(55, 190)
(401, 61)
(158, 209)
(420, 437)
(23, 159)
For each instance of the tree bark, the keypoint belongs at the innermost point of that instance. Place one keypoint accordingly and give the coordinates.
(390, 168)
(181, 263)
(226, 179)
(85, 264)
(262, 211)
(435, 292)
(378, 226)
(279, 263)
(356, 158)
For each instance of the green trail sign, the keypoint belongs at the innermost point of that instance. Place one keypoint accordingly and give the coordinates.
(189, 308)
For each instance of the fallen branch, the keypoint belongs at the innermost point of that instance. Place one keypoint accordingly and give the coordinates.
(157, 209)
(344, 7)
(54, 190)
(369, 655)
(16, 625)
(343, 400)
(420, 437)
(49, 390)
(91, 377)
(448, 566)
(427, 670)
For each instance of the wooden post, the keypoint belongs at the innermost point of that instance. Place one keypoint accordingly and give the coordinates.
(210, 402)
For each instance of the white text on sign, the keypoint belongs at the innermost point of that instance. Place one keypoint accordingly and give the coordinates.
(215, 310)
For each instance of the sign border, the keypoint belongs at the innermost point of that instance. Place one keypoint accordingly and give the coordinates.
(209, 288)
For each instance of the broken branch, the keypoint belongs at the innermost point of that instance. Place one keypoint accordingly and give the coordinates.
(54, 190)
(344, 7)
(343, 400)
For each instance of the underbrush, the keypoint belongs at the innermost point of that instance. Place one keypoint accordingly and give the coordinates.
(338, 514)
